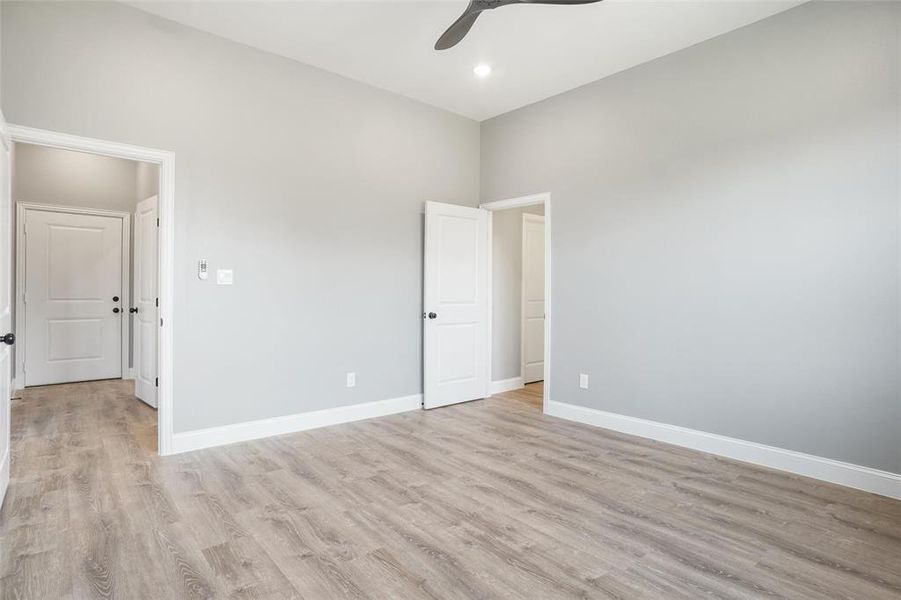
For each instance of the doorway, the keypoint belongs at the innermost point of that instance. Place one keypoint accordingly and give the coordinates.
(518, 312)
(486, 293)
(144, 310)
(76, 267)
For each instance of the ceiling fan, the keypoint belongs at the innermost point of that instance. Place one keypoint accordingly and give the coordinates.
(459, 28)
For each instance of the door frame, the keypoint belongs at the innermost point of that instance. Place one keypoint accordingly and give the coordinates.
(526, 217)
(125, 276)
(6, 147)
(165, 160)
(530, 200)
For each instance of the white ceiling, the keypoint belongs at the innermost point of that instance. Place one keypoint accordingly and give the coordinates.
(535, 51)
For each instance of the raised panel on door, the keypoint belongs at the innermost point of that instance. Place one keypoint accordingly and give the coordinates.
(146, 319)
(533, 308)
(73, 297)
(456, 304)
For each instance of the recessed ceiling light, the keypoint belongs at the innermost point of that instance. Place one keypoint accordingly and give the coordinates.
(482, 70)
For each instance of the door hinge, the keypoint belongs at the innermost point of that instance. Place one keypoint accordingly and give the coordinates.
(157, 221)
(157, 302)
(161, 322)
(156, 382)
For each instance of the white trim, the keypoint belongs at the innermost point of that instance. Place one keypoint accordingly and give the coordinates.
(74, 210)
(252, 430)
(506, 385)
(130, 373)
(6, 142)
(4, 133)
(124, 277)
(490, 348)
(542, 198)
(166, 162)
(530, 200)
(816, 467)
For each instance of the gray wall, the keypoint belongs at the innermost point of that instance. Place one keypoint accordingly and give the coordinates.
(506, 288)
(147, 181)
(65, 178)
(726, 232)
(309, 185)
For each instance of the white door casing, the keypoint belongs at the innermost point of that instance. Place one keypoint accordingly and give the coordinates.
(166, 161)
(6, 246)
(456, 304)
(146, 317)
(74, 268)
(532, 332)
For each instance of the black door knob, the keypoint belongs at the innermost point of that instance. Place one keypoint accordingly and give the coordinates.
(115, 310)
(9, 339)
(132, 310)
(433, 316)
(115, 298)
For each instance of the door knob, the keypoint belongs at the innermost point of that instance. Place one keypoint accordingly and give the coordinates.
(9, 339)
(115, 310)
(433, 315)
(132, 310)
(115, 298)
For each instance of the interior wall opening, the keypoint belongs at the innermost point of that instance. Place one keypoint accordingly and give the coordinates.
(518, 305)
(86, 275)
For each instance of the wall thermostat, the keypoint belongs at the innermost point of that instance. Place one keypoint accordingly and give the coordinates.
(202, 269)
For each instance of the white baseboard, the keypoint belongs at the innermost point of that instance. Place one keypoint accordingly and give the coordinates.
(252, 430)
(506, 385)
(4, 476)
(817, 467)
(129, 373)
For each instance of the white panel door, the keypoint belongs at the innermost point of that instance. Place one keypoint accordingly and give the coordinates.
(532, 298)
(6, 245)
(145, 309)
(456, 298)
(73, 297)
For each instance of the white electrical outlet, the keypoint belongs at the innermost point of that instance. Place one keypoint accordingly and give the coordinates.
(583, 381)
(351, 379)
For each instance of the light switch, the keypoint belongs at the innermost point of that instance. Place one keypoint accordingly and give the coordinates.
(351, 379)
(202, 269)
(225, 276)
(583, 381)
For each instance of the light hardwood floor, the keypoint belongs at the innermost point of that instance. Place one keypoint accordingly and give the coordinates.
(489, 499)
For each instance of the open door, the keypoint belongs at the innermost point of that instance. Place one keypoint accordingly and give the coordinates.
(145, 309)
(532, 331)
(457, 313)
(8, 338)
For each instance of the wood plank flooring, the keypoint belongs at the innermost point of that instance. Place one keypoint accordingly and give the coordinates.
(489, 499)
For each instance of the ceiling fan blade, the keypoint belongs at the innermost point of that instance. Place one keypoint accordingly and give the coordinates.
(458, 29)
